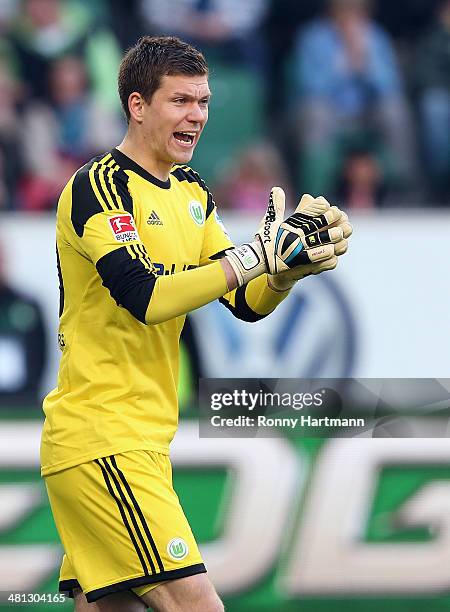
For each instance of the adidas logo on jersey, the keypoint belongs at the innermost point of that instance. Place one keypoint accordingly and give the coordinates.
(154, 219)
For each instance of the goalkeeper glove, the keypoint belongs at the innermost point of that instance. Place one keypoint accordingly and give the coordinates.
(310, 206)
(282, 245)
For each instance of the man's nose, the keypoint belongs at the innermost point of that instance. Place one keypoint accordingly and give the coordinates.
(196, 114)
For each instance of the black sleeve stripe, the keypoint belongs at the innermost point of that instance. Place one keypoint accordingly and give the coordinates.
(242, 310)
(120, 187)
(129, 282)
(184, 173)
(137, 251)
(145, 257)
(113, 198)
(93, 175)
(111, 173)
(109, 184)
(131, 252)
(122, 199)
(109, 205)
(85, 202)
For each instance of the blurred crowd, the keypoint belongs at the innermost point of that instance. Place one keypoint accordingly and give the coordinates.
(346, 98)
(354, 104)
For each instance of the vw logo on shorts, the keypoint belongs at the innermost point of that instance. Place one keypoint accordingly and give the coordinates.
(177, 549)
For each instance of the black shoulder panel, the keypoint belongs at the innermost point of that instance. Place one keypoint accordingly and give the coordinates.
(184, 173)
(84, 201)
(129, 282)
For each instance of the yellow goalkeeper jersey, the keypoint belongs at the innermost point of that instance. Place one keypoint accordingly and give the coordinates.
(117, 381)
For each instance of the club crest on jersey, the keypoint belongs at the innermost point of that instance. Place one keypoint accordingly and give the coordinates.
(197, 212)
(123, 228)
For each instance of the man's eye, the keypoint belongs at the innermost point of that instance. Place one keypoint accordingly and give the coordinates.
(204, 102)
(179, 100)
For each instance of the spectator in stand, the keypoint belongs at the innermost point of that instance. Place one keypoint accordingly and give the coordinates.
(61, 137)
(250, 176)
(22, 346)
(349, 88)
(11, 162)
(433, 81)
(225, 30)
(360, 182)
(46, 30)
(281, 24)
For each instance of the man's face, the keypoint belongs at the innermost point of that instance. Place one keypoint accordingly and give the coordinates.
(174, 119)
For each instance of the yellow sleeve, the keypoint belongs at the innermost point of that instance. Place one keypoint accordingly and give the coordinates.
(261, 298)
(178, 294)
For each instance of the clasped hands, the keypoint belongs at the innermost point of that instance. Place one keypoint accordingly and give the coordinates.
(323, 230)
(310, 241)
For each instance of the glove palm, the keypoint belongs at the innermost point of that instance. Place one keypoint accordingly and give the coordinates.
(315, 207)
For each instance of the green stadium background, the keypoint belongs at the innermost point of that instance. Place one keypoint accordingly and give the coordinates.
(400, 304)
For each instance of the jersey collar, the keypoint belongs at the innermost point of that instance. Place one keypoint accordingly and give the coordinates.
(126, 163)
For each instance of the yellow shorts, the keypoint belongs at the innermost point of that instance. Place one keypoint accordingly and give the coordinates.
(121, 525)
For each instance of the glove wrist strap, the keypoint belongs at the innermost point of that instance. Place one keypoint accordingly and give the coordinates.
(247, 262)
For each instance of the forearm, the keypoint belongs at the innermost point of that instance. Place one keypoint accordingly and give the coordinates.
(253, 301)
(178, 294)
(261, 297)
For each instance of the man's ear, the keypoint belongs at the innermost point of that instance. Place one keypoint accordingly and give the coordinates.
(136, 106)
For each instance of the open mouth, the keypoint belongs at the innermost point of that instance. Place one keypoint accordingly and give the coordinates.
(185, 138)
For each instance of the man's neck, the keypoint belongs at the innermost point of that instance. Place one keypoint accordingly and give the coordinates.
(135, 150)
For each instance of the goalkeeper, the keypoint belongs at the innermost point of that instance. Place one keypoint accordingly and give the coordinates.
(139, 245)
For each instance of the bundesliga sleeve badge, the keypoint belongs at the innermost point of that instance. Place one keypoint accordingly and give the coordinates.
(123, 228)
